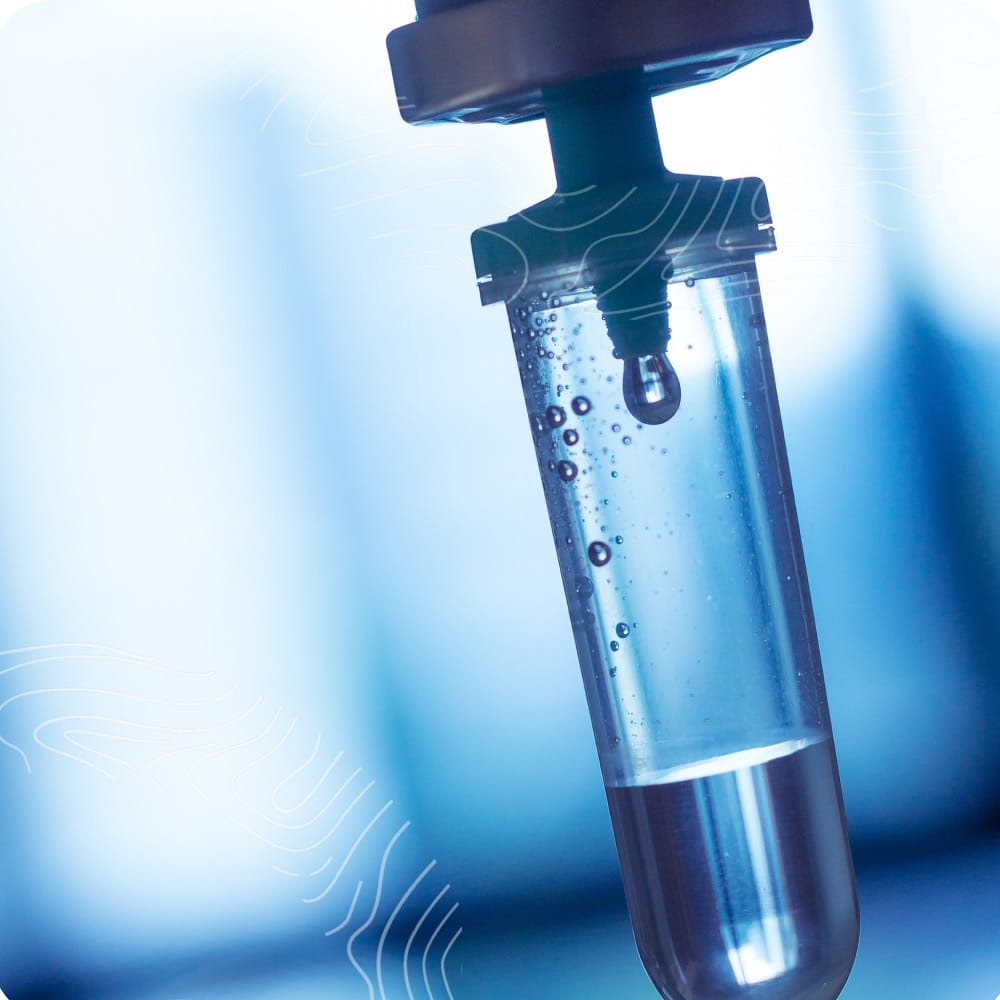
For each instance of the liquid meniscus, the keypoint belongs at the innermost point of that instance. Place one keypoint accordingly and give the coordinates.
(738, 875)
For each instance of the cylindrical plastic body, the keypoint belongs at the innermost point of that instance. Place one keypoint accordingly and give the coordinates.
(681, 560)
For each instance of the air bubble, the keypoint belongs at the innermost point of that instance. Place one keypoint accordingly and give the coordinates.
(689, 282)
(626, 440)
(615, 428)
(619, 539)
(584, 588)
(599, 553)
(622, 630)
(581, 405)
(615, 645)
(570, 436)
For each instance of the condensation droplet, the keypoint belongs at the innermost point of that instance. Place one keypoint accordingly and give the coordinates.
(599, 553)
(567, 471)
(556, 416)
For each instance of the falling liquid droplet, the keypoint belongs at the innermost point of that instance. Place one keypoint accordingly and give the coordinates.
(599, 553)
(650, 388)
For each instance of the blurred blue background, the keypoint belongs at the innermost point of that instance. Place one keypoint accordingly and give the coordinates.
(288, 701)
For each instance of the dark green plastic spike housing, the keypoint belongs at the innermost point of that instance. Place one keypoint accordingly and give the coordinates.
(619, 225)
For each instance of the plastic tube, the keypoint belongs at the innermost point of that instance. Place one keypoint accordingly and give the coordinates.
(680, 556)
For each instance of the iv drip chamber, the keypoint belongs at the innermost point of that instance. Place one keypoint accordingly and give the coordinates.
(639, 336)
(679, 552)
(640, 339)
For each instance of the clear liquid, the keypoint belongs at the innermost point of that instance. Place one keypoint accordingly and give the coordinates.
(738, 876)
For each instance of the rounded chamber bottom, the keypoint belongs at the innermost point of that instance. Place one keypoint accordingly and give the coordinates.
(738, 876)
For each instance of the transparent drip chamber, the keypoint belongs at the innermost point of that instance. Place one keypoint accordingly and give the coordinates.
(640, 339)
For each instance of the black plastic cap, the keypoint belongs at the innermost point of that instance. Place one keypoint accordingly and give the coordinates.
(489, 60)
